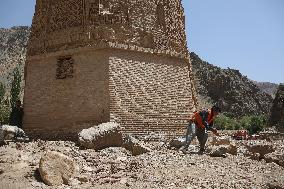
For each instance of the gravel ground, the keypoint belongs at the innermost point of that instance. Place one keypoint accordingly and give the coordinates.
(117, 168)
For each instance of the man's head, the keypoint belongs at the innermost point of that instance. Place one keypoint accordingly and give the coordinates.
(216, 110)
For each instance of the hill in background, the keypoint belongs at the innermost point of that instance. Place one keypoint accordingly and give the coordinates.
(239, 95)
(13, 44)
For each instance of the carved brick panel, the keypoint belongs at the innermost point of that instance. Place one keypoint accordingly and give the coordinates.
(64, 68)
(69, 24)
(105, 12)
(66, 14)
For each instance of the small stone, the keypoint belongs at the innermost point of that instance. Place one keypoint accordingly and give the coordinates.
(87, 169)
(218, 151)
(135, 146)
(84, 178)
(73, 182)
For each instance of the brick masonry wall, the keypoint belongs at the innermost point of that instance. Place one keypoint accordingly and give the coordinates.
(68, 24)
(59, 108)
(150, 93)
(143, 92)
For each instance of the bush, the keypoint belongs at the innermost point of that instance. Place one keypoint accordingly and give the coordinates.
(253, 124)
(224, 122)
(257, 124)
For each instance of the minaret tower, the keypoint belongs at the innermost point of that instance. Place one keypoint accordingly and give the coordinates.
(94, 61)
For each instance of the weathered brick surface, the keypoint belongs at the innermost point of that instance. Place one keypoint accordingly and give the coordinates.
(150, 93)
(92, 61)
(66, 104)
(68, 24)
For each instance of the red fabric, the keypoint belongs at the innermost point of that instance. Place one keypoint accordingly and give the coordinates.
(197, 119)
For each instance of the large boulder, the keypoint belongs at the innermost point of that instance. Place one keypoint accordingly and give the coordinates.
(8, 132)
(56, 168)
(102, 136)
(135, 146)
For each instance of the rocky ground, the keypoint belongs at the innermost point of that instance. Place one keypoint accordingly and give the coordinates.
(162, 167)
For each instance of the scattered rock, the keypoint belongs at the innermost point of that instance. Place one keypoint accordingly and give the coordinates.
(73, 182)
(177, 142)
(275, 185)
(56, 168)
(232, 149)
(124, 182)
(8, 132)
(275, 157)
(260, 148)
(102, 136)
(135, 146)
(84, 178)
(224, 140)
(218, 151)
(254, 156)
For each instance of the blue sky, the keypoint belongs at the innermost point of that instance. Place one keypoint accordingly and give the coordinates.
(247, 35)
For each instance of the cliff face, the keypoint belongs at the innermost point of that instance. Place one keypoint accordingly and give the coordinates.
(13, 43)
(267, 87)
(277, 110)
(239, 95)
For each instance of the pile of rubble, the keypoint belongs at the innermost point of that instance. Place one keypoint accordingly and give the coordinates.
(106, 158)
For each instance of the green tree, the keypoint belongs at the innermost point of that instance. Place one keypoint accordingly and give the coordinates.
(15, 87)
(257, 124)
(4, 112)
(2, 92)
(4, 106)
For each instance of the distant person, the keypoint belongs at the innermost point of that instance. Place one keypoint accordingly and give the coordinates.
(16, 116)
(199, 124)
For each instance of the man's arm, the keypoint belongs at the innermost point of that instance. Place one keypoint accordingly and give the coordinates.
(199, 121)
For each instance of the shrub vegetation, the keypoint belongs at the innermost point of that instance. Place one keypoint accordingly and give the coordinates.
(253, 124)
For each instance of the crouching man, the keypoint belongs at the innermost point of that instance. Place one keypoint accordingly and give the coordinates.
(199, 124)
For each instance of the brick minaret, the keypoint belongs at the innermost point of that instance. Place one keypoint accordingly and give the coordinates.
(94, 61)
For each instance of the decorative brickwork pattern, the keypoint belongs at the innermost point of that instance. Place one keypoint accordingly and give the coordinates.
(65, 14)
(150, 96)
(154, 24)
